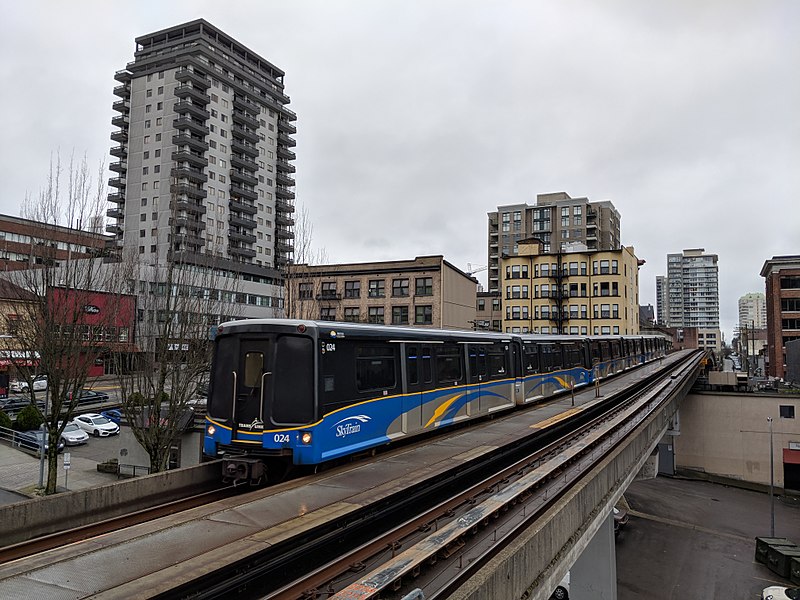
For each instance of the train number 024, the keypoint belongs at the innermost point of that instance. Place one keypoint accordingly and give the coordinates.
(281, 438)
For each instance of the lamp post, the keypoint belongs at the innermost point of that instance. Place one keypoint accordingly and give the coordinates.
(771, 483)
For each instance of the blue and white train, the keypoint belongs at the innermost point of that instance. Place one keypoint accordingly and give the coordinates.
(289, 392)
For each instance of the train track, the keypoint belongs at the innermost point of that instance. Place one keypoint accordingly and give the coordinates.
(85, 532)
(425, 533)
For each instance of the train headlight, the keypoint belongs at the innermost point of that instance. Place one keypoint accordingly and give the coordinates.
(211, 430)
(305, 437)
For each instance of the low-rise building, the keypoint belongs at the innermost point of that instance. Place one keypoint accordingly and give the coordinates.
(427, 291)
(575, 291)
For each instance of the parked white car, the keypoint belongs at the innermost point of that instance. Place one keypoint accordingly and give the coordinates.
(96, 425)
(73, 435)
(778, 592)
(562, 591)
(39, 384)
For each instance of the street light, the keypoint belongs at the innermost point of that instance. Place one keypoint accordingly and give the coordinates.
(771, 482)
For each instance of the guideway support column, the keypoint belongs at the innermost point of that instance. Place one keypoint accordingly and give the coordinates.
(594, 574)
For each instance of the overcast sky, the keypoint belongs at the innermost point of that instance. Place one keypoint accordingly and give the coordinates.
(416, 118)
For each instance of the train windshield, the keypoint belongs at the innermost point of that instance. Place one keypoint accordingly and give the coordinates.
(262, 382)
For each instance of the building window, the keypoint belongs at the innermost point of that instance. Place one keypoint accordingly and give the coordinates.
(351, 314)
(352, 289)
(399, 315)
(424, 286)
(400, 288)
(375, 314)
(377, 290)
(306, 291)
(327, 314)
(787, 411)
(481, 304)
(328, 290)
(423, 315)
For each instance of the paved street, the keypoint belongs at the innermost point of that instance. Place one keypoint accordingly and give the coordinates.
(692, 539)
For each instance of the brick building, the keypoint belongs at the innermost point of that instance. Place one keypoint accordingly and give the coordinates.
(782, 278)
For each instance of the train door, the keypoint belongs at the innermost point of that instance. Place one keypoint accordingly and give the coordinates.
(476, 378)
(248, 383)
(419, 380)
(448, 399)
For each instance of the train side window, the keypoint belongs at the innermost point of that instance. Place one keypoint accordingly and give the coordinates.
(253, 369)
(531, 359)
(497, 362)
(448, 364)
(375, 368)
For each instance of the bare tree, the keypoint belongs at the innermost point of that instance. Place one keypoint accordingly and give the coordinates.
(181, 294)
(301, 288)
(52, 333)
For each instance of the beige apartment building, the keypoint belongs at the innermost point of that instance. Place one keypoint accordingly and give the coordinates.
(427, 291)
(575, 291)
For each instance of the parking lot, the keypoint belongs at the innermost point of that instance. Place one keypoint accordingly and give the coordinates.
(696, 540)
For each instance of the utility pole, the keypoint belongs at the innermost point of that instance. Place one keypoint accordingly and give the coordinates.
(771, 482)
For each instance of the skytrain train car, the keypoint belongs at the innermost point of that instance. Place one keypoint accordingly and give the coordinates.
(288, 392)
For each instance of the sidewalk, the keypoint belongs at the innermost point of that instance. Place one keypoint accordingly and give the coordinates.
(19, 474)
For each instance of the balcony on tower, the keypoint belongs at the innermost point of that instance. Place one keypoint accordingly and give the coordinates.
(189, 206)
(284, 166)
(243, 177)
(284, 125)
(237, 220)
(244, 103)
(241, 206)
(235, 250)
(121, 121)
(189, 190)
(284, 206)
(195, 175)
(244, 148)
(245, 119)
(196, 110)
(196, 94)
(193, 158)
(123, 91)
(241, 236)
(282, 232)
(284, 152)
(120, 136)
(122, 106)
(238, 190)
(116, 213)
(114, 229)
(120, 151)
(242, 162)
(244, 133)
(195, 143)
(191, 223)
(120, 166)
(286, 140)
(283, 179)
(116, 198)
(187, 123)
(283, 192)
(118, 182)
(187, 75)
(283, 219)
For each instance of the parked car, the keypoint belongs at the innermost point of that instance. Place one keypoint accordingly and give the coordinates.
(562, 591)
(778, 592)
(73, 435)
(39, 384)
(32, 440)
(113, 414)
(11, 406)
(97, 425)
(620, 518)
(92, 397)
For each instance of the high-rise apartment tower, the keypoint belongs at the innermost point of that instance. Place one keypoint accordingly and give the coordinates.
(556, 219)
(692, 295)
(204, 158)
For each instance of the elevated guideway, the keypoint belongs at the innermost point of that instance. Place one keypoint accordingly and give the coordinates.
(199, 552)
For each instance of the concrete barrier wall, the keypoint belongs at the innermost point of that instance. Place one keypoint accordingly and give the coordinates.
(531, 566)
(42, 516)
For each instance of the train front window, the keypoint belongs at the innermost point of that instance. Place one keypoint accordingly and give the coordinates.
(253, 369)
